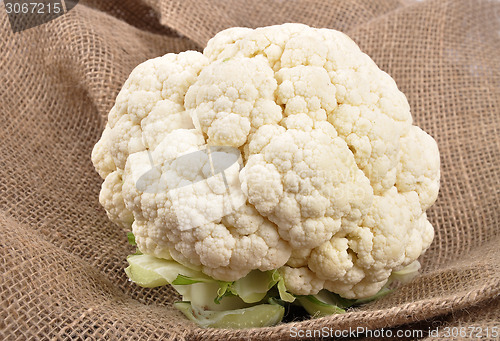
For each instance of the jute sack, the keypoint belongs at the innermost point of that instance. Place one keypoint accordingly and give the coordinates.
(62, 260)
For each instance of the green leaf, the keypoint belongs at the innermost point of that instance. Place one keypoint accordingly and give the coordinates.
(278, 301)
(253, 287)
(275, 278)
(317, 308)
(382, 292)
(131, 239)
(186, 280)
(284, 294)
(326, 303)
(203, 294)
(144, 277)
(406, 274)
(225, 289)
(149, 271)
(261, 315)
(328, 297)
(193, 285)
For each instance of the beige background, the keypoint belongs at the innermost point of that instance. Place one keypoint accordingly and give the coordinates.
(62, 261)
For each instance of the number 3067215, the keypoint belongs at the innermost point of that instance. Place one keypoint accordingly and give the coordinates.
(33, 7)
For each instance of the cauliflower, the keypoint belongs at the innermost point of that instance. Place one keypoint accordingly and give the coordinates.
(328, 179)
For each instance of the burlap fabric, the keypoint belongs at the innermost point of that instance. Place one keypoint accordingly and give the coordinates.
(62, 260)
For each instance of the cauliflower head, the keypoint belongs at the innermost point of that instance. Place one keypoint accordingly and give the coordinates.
(330, 178)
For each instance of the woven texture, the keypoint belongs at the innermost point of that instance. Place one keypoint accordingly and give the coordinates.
(61, 260)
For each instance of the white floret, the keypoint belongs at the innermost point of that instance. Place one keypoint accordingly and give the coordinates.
(111, 199)
(418, 169)
(232, 98)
